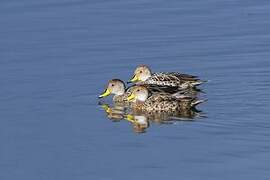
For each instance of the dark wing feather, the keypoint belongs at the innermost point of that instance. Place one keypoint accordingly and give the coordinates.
(183, 77)
(153, 88)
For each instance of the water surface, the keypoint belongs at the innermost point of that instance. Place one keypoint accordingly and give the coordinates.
(56, 57)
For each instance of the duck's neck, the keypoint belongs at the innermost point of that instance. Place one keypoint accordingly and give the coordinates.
(120, 92)
(142, 97)
(118, 97)
(145, 77)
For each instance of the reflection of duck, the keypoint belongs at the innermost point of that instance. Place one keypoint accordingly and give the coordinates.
(116, 113)
(140, 123)
(141, 120)
(118, 89)
(160, 102)
(143, 75)
(183, 115)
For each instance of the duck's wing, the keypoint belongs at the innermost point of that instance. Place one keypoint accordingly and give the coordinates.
(154, 88)
(183, 77)
(159, 97)
(161, 104)
(178, 96)
(163, 79)
(172, 79)
(190, 101)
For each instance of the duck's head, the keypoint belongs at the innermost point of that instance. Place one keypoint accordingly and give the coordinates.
(141, 73)
(138, 93)
(115, 86)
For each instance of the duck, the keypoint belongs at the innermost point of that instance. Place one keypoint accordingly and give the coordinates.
(117, 88)
(160, 102)
(144, 75)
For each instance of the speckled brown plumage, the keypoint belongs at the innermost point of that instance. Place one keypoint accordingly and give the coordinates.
(165, 103)
(173, 79)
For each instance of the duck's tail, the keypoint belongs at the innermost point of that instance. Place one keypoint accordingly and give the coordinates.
(197, 102)
(199, 82)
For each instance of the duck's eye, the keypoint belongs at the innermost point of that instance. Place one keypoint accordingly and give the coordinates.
(138, 90)
(140, 71)
(112, 85)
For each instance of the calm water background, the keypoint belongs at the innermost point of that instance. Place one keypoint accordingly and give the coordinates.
(57, 55)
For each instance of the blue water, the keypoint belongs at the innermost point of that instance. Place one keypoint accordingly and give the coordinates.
(57, 55)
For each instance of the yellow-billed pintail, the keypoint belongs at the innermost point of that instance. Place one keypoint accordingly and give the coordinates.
(160, 102)
(143, 75)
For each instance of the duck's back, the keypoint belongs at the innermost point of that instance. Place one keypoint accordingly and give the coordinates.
(172, 79)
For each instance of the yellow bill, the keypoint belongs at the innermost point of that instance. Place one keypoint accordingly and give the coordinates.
(107, 92)
(131, 97)
(134, 79)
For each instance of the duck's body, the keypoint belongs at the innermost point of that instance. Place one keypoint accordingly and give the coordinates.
(160, 102)
(164, 103)
(143, 75)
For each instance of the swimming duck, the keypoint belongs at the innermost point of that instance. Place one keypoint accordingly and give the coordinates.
(160, 102)
(118, 89)
(143, 75)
